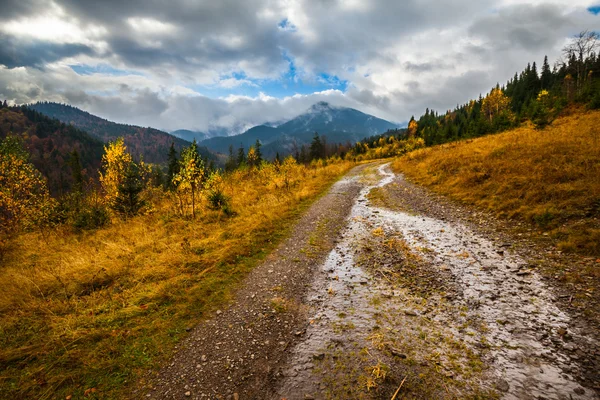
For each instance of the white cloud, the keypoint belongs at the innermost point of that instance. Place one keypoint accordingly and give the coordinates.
(397, 57)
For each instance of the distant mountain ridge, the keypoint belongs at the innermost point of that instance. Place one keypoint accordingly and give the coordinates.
(152, 144)
(337, 124)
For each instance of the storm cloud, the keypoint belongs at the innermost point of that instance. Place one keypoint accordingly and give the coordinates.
(213, 64)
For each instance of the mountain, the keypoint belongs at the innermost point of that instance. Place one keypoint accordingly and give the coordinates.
(337, 124)
(50, 144)
(265, 134)
(150, 143)
(189, 136)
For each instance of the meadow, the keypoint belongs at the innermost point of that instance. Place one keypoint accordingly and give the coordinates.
(548, 177)
(88, 312)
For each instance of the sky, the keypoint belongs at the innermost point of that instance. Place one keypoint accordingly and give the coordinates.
(206, 64)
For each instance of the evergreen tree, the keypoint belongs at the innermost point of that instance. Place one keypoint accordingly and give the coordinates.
(75, 164)
(546, 79)
(127, 203)
(231, 162)
(259, 157)
(157, 176)
(316, 148)
(173, 166)
(241, 156)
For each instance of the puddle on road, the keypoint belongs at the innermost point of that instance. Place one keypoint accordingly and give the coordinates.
(526, 335)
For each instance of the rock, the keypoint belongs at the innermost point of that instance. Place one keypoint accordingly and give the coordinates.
(219, 312)
(188, 394)
(236, 396)
(502, 385)
(523, 273)
(579, 391)
(319, 356)
(203, 358)
(397, 353)
(410, 313)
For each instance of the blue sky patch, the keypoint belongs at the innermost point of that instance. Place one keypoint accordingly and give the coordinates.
(105, 69)
(594, 9)
(293, 81)
(286, 25)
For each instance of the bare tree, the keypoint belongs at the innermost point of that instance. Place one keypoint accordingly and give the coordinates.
(582, 46)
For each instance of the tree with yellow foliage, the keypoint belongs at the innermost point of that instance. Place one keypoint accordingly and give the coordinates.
(495, 103)
(190, 178)
(252, 157)
(115, 163)
(412, 128)
(24, 197)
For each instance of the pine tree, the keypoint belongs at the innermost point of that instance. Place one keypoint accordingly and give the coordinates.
(127, 202)
(546, 79)
(75, 164)
(241, 156)
(231, 162)
(173, 166)
(316, 148)
(259, 157)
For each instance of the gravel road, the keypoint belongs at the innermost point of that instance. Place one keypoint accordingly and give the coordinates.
(365, 301)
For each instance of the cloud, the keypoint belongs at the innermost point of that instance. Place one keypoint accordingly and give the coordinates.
(211, 64)
(36, 53)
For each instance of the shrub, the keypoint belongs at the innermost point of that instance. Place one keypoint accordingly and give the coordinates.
(91, 217)
(217, 200)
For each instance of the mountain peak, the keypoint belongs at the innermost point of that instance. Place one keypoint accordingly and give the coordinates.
(320, 106)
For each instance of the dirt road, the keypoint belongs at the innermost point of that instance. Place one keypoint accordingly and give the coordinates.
(371, 302)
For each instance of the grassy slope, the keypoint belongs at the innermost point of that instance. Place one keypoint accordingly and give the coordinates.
(548, 177)
(94, 310)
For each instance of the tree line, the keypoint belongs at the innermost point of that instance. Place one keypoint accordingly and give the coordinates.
(538, 96)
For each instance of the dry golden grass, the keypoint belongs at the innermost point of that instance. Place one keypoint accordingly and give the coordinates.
(548, 177)
(93, 310)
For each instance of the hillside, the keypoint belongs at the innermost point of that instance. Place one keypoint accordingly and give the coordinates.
(546, 177)
(337, 124)
(50, 144)
(150, 143)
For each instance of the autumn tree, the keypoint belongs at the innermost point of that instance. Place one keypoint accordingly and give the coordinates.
(24, 195)
(115, 162)
(495, 103)
(191, 176)
(412, 127)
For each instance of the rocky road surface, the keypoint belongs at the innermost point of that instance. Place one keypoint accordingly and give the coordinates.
(372, 302)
